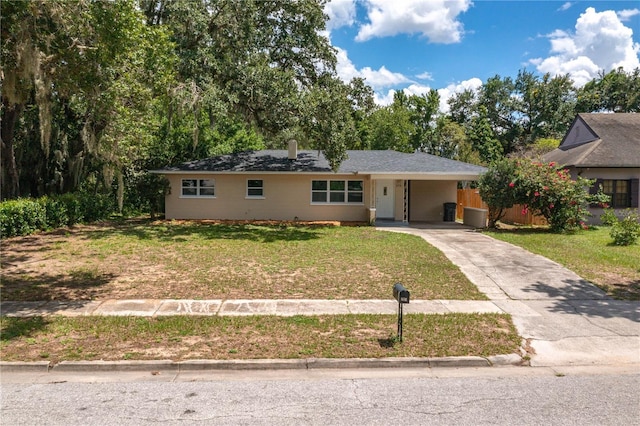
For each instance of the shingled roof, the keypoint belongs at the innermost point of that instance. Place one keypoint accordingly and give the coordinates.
(600, 140)
(367, 162)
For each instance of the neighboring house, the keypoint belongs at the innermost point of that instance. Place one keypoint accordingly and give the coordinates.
(605, 147)
(290, 185)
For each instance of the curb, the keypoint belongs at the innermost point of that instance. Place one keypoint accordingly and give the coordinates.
(258, 364)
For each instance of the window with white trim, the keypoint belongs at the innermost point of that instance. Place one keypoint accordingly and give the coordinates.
(198, 188)
(337, 191)
(255, 188)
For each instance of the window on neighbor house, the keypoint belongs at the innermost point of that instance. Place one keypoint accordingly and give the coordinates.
(198, 188)
(618, 190)
(337, 191)
(255, 188)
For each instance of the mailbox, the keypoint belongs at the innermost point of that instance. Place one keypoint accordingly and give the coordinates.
(400, 293)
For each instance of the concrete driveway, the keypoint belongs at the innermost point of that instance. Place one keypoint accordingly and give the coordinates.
(565, 319)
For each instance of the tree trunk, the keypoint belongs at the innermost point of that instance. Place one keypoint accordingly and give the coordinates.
(10, 185)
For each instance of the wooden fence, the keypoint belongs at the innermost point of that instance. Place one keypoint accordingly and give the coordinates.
(471, 198)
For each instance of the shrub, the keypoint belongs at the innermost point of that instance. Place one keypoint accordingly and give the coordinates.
(55, 212)
(21, 217)
(25, 216)
(549, 191)
(608, 217)
(545, 189)
(626, 231)
(497, 188)
(95, 206)
(73, 208)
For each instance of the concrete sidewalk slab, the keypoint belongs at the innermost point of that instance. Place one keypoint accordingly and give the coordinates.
(248, 307)
(21, 309)
(135, 307)
(278, 307)
(189, 307)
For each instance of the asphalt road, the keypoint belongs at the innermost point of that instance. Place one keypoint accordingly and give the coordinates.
(468, 396)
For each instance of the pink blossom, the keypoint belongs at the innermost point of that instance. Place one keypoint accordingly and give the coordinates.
(551, 164)
(511, 185)
(551, 205)
(537, 194)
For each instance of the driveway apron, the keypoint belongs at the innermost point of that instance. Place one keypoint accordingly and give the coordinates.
(565, 319)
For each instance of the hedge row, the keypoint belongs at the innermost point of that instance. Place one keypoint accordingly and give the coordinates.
(25, 216)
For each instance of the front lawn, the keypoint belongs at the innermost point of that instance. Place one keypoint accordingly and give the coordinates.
(589, 253)
(192, 260)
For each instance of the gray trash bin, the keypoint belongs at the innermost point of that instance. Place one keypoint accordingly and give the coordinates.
(449, 212)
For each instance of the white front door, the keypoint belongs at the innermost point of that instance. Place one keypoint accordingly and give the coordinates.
(385, 199)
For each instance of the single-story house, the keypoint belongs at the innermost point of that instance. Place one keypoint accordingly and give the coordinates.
(604, 147)
(288, 185)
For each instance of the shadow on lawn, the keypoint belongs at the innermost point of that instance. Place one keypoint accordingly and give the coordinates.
(14, 328)
(79, 285)
(170, 231)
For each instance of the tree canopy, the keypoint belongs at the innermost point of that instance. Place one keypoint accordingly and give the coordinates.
(95, 93)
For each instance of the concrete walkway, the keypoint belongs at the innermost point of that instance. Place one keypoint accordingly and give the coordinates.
(280, 307)
(565, 319)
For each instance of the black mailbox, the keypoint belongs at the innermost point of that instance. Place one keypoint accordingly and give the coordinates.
(400, 293)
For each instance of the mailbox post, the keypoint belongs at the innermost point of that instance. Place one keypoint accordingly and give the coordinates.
(402, 295)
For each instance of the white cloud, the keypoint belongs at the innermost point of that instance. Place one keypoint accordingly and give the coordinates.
(627, 14)
(384, 99)
(425, 76)
(449, 91)
(341, 13)
(433, 19)
(600, 42)
(377, 79)
(565, 6)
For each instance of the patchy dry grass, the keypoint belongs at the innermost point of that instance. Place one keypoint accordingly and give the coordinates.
(179, 338)
(195, 260)
(589, 253)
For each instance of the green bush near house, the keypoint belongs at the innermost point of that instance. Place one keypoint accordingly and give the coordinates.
(626, 231)
(608, 217)
(22, 217)
(25, 216)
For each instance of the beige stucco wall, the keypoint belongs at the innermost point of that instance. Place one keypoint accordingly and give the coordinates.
(286, 197)
(398, 208)
(603, 173)
(426, 199)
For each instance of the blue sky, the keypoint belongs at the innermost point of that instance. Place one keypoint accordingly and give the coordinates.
(448, 45)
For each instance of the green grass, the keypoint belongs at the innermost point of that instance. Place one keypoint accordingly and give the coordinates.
(189, 260)
(179, 338)
(589, 253)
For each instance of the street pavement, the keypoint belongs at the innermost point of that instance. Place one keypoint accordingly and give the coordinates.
(564, 319)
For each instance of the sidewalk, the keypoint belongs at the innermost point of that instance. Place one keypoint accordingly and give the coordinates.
(290, 307)
(566, 320)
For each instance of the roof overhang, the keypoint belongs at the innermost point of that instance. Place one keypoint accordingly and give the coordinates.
(426, 176)
(387, 176)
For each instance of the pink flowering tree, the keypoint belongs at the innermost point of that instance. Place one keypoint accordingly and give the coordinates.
(545, 189)
(549, 191)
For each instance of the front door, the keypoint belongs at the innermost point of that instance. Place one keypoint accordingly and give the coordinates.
(385, 199)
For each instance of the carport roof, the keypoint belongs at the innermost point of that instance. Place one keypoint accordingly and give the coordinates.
(358, 162)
